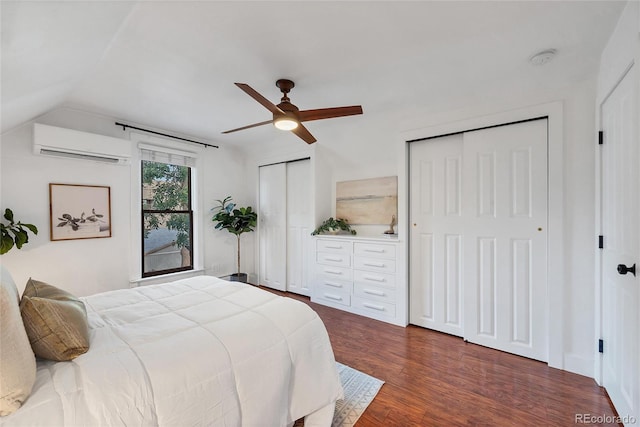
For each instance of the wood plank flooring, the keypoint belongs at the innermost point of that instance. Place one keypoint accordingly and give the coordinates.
(434, 379)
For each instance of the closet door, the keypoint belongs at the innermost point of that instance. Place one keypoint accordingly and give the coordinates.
(272, 217)
(505, 253)
(299, 226)
(436, 234)
(478, 261)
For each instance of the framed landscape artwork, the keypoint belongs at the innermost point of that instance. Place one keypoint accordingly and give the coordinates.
(79, 211)
(368, 201)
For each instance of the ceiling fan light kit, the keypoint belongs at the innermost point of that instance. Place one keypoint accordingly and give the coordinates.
(287, 116)
(285, 123)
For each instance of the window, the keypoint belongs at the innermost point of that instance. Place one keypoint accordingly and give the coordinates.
(167, 217)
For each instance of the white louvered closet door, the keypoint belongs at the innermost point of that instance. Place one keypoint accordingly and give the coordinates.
(478, 236)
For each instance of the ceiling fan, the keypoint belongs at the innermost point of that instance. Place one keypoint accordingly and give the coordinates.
(287, 116)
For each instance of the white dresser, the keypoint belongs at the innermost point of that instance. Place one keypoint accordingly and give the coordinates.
(360, 275)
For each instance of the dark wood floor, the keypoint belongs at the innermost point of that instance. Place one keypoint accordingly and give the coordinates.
(434, 379)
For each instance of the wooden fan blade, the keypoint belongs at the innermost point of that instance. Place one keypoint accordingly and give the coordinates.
(248, 126)
(329, 113)
(304, 133)
(261, 99)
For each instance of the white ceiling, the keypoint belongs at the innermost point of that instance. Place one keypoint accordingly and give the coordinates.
(172, 64)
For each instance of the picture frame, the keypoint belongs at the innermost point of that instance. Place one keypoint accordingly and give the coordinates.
(79, 211)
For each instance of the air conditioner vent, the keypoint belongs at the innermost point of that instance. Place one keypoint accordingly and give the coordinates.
(73, 144)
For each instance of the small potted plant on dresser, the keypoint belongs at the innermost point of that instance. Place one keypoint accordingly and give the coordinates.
(236, 221)
(334, 226)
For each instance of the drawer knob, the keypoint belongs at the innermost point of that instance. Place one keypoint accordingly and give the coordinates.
(339, 273)
(374, 292)
(375, 279)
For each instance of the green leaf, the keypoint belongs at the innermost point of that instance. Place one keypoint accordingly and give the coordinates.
(6, 244)
(31, 227)
(8, 215)
(21, 238)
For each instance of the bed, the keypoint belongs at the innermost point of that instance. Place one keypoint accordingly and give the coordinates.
(199, 351)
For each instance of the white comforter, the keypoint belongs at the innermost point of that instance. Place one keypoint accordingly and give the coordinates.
(200, 351)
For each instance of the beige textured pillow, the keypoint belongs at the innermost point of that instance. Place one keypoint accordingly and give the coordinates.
(55, 321)
(17, 362)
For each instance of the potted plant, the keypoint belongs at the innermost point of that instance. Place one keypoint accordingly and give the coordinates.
(333, 226)
(236, 221)
(17, 229)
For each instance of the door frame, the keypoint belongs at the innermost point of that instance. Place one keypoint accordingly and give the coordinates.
(555, 230)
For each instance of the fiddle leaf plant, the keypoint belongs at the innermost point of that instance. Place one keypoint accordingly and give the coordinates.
(14, 233)
(235, 220)
(331, 225)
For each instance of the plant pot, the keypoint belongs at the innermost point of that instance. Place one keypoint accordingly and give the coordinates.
(238, 277)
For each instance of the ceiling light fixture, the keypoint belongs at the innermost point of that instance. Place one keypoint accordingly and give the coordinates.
(285, 122)
(543, 57)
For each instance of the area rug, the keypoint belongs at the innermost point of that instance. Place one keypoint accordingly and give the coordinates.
(359, 391)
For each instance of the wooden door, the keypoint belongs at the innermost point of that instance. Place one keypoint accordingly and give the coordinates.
(620, 217)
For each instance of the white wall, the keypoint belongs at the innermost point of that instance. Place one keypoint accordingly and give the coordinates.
(365, 147)
(85, 267)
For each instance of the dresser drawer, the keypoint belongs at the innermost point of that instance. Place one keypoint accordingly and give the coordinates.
(325, 245)
(335, 285)
(374, 308)
(374, 250)
(333, 297)
(374, 264)
(376, 293)
(337, 259)
(334, 272)
(374, 278)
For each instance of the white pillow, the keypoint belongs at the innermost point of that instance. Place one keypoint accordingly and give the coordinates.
(18, 363)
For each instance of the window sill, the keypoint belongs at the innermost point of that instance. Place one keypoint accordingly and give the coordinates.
(164, 278)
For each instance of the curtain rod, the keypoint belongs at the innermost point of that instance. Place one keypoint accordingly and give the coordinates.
(124, 126)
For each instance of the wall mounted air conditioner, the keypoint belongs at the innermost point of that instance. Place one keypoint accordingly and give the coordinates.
(69, 143)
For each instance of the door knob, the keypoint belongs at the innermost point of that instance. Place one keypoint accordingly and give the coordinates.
(623, 269)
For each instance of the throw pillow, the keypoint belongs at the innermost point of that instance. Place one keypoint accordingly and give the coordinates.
(55, 321)
(18, 366)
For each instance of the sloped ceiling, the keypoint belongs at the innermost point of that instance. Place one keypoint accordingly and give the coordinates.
(172, 64)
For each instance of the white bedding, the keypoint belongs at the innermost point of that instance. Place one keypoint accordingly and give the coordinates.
(200, 351)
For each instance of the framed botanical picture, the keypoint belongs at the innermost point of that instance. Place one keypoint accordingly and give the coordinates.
(79, 211)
